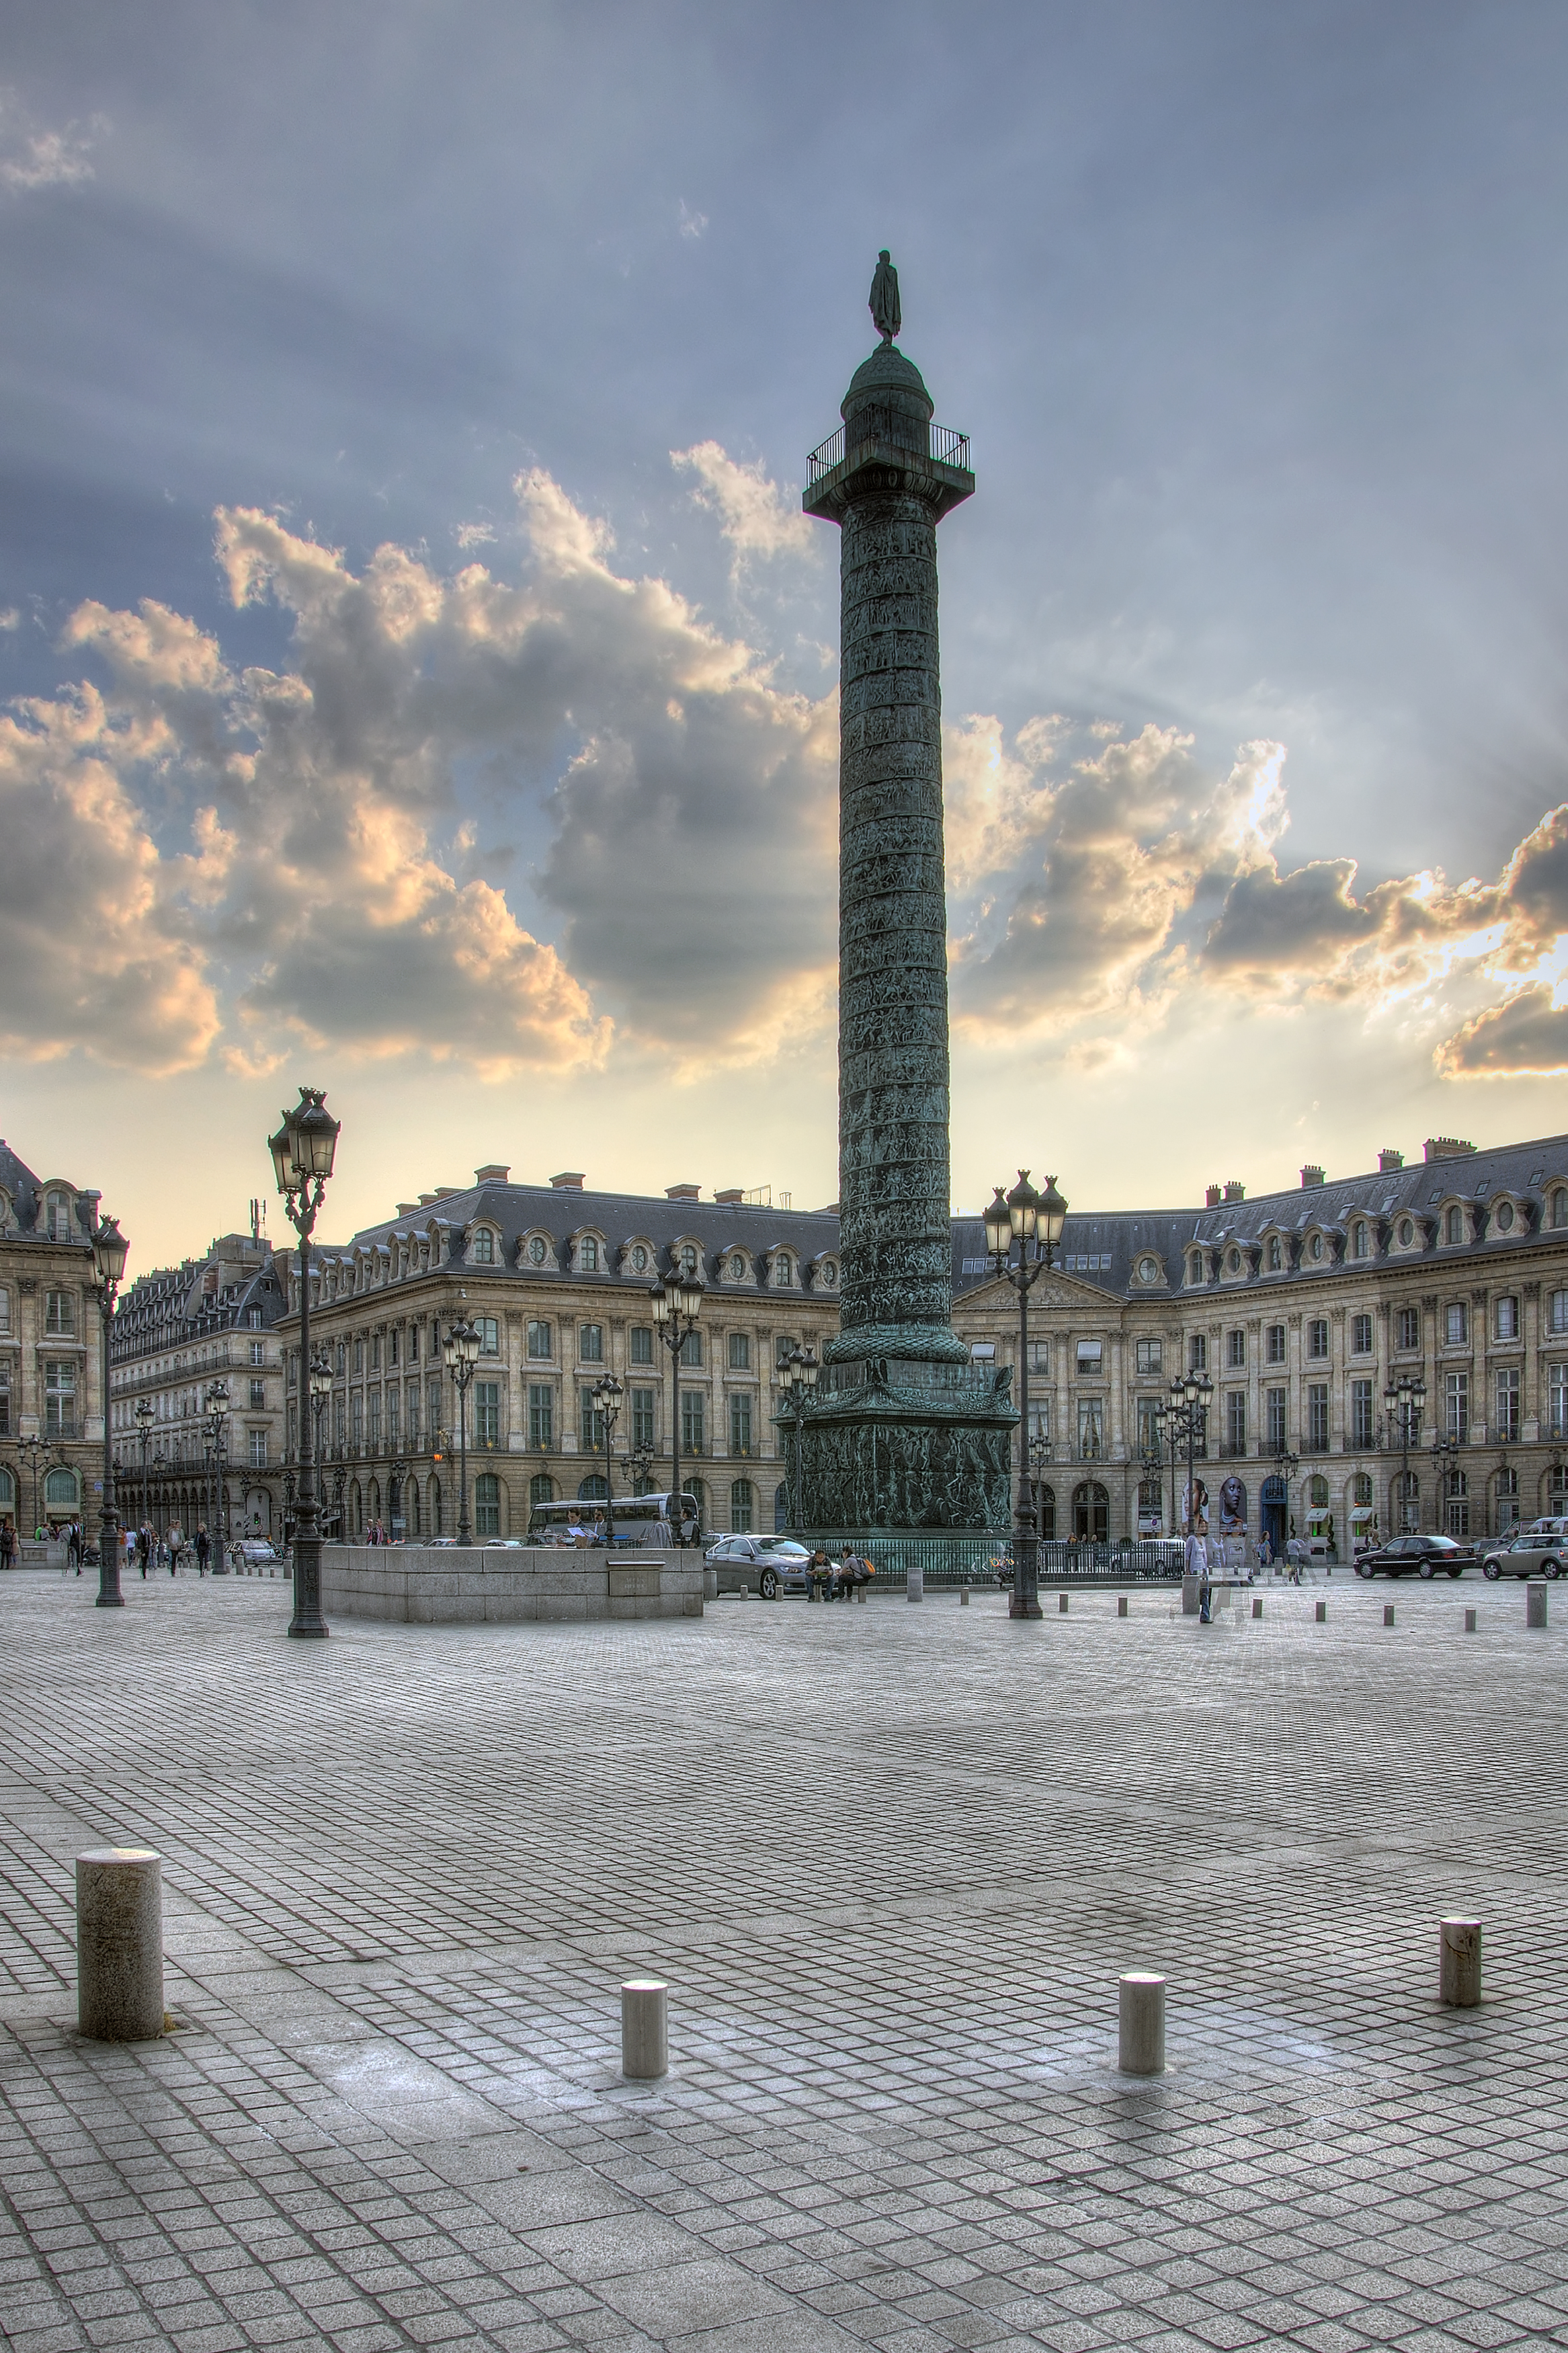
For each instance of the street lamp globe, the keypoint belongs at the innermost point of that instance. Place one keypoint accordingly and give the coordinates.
(809, 1371)
(998, 1226)
(321, 1377)
(306, 1144)
(1053, 1215)
(659, 1300)
(607, 1391)
(1023, 1209)
(110, 1251)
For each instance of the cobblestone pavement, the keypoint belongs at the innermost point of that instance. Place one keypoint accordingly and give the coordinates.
(891, 1861)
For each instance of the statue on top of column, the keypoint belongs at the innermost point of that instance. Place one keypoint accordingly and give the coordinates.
(884, 297)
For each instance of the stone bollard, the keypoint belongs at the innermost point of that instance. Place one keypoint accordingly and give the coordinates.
(1258, 1605)
(917, 1583)
(710, 1584)
(964, 1598)
(1122, 1605)
(1459, 1963)
(119, 1944)
(1141, 2042)
(1388, 1613)
(1534, 1604)
(860, 1593)
(1322, 1613)
(1189, 1595)
(645, 2024)
(1061, 1605)
(1469, 1621)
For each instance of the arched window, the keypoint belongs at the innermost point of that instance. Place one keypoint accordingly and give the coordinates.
(1560, 1208)
(1361, 1488)
(483, 1251)
(486, 1504)
(1456, 1224)
(588, 1254)
(540, 1489)
(437, 1509)
(1196, 1268)
(784, 1272)
(1091, 1513)
(687, 1258)
(593, 1489)
(356, 1514)
(1317, 1493)
(1358, 1240)
(781, 1509)
(411, 1506)
(1046, 1509)
(1276, 1255)
(60, 1493)
(742, 1505)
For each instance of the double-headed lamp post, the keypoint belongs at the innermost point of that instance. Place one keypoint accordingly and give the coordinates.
(677, 1305)
(460, 1349)
(1192, 1394)
(303, 1153)
(218, 1431)
(799, 1377)
(607, 1395)
(1033, 1223)
(110, 1251)
(146, 1412)
(321, 1390)
(1404, 1399)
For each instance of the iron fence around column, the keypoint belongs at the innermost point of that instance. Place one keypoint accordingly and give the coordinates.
(956, 1558)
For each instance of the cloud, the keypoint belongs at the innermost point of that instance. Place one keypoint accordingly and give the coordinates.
(755, 516)
(32, 157)
(693, 224)
(473, 534)
(1527, 1033)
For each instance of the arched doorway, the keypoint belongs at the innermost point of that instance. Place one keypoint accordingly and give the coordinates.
(1090, 1512)
(1046, 1511)
(1271, 1512)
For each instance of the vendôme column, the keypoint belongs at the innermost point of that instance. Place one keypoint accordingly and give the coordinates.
(901, 1433)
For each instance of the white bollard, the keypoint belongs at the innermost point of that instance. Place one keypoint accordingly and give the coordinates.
(1459, 1963)
(1062, 1604)
(1141, 2041)
(1469, 1621)
(645, 2028)
(964, 1598)
(916, 1588)
(119, 1944)
(1534, 1604)
(1388, 1613)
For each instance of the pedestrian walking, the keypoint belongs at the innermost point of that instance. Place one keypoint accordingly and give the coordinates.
(1197, 1565)
(74, 1545)
(8, 1544)
(203, 1547)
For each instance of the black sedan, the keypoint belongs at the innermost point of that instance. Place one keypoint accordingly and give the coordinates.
(1417, 1557)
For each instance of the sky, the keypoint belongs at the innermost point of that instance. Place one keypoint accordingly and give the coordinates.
(419, 679)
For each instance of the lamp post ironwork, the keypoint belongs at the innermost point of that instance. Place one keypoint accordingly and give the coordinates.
(1404, 1399)
(1152, 1454)
(1191, 1394)
(145, 1414)
(318, 1386)
(1444, 1453)
(798, 1376)
(161, 1504)
(110, 1252)
(1039, 1460)
(637, 1468)
(302, 1154)
(37, 1452)
(677, 1303)
(215, 1397)
(394, 1495)
(460, 1350)
(607, 1395)
(1032, 1222)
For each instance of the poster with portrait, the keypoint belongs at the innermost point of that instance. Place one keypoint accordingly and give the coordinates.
(1195, 1504)
(1233, 1505)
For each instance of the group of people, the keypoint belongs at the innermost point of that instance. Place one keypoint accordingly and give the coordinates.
(838, 1579)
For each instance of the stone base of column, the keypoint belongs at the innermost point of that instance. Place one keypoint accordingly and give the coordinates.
(918, 1446)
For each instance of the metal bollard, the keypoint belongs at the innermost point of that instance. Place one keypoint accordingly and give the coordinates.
(1258, 1605)
(1141, 2038)
(1469, 1621)
(1322, 1613)
(964, 1598)
(119, 1944)
(1534, 1604)
(645, 2028)
(1061, 1605)
(1122, 1605)
(1388, 1613)
(915, 1588)
(1459, 1963)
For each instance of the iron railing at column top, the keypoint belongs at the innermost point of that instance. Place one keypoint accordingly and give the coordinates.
(942, 443)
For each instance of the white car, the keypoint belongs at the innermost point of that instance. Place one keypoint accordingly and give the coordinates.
(254, 1551)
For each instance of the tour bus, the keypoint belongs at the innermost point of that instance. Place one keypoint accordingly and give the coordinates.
(639, 1519)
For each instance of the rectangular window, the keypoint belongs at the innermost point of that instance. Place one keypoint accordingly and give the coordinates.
(375, 1352)
(1507, 1431)
(482, 1249)
(433, 1404)
(1409, 1328)
(60, 1398)
(59, 1315)
(642, 1420)
(340, 1435)
(257, 1396)
(4, 1400)
(356, 1416)
(392, 1398)
(740, 1425)
(1318, 1416)
(1557, 1311)
(1360, 1335)
(642, 1344)
(539, 1339)
(411, 1401)
(591, 1344)
(359, 1355)
(1089, 1359)
(4, 1313)
(784, 1346)
(590, 1421)
(1197, 1353)
(392, 1345)
(1456, 1404)
(1090, 1429)
(257, 1351)
(1274, 1344)
(1508, 1319)
(1236, 1421)
(1557, 1398)
(413, 1343)
(1362, 1425)
(540, 1415)
(1318, 1338)
(1150, 1353)
(740, 1353)
(692, 1348)
(373, 1432)
(692, 1421)
(487, 1414)
(1039, 1357)
(490, 1335)
(258, 1450)
(1236, 1350)
(1457, 1323)
(983, 1352)
(1150, 1433)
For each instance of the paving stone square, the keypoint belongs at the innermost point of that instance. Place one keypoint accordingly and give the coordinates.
(891, 1861)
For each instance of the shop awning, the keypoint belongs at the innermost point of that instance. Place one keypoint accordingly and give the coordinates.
(1363, 1511)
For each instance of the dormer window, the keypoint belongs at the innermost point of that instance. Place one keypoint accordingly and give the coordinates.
(1454, 1227)
(482, 1251)
(1358, 1239)
(1233, 1261)
(828, 1274)
(737, 1269)
(1276, 1254)
(687, 1258)
(588, 1255)
(640, 1258)
(1315, 1249)
(538, 1250)
(57, 1221)
(1195, 1267)
(1406, 1233)
(783, 1273)
(1560, 1207)
(1502, 1218)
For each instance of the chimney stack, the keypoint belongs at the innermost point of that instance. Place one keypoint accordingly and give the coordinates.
(1388, 1160)
(494, 1173)
(1448, 1148)
(1235, 1192)
(1311, 1176)
(1211, 1197)
(683, 1192)
(569, 1181)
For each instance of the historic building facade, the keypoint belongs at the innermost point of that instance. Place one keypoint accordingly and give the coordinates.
(51, 1354)
(556, 1278)
(1300, 1307)
(177, 1332)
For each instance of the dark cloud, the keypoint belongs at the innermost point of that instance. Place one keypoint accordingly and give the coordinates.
(1526, 1033)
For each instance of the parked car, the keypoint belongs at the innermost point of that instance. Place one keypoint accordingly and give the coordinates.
(255, 1551)
(1544, 1528)
(1416, 1556)
(1531, 1554)
(767, 1565)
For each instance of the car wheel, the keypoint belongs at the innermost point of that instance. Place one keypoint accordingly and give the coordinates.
(1456, 1572)
(768, 1585)
(1363, 1568)
(1491, 1570)
(1552, 1568)
(1425, 1572)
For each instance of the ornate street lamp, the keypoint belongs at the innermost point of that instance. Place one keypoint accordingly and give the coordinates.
(797, 1377)
(145, 1414)
(321, 1389)
(677, 1303)
(215, 1398)
(1032, 1222)
(394, 1494)
(160, 1467)
(1151, 1453)
(1191, 1396)
(637, 1466)
(37, 1452)
(110, 1252)
(1444, 1453)
(302, 1154)
(607, 1394)
(460, 1349)
(1404, 1399)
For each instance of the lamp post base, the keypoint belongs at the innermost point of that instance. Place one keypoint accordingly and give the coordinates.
(1023, 1605)
(308, 1624)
